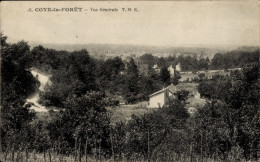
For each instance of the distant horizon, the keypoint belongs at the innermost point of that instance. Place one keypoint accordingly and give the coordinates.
(141, 45)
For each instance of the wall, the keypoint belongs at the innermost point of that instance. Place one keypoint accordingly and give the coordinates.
(158, 98)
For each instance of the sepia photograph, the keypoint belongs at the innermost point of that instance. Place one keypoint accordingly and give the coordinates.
(130, 81)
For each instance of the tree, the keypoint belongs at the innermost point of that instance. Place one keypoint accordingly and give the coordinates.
(110, 74)
(176, 78)
(231, 120)
(112, 67)
(83, 125)
(165, 76)
(244, 101)
(18, 84)
(235, 58)
(212, 132)
(132, 70)
(149, 133)
(132, 77)
(182, 95)
(161, 62)
(148, 59)
(216, 88)
(203, 63)
(75, 77)
(202, 76)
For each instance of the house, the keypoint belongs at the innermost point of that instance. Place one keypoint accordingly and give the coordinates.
(156, 68)
(161, 97)
(171, 70)
(178, 67)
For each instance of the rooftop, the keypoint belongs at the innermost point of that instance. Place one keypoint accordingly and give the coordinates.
(171, 88)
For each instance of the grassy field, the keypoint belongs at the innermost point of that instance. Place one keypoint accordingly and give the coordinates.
(40, 157)
(124, 112)
(53, 157)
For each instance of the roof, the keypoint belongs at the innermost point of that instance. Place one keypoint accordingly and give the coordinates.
(171, 88)
(160, 91)
(155, 66)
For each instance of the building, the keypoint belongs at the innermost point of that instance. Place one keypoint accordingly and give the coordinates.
(161, 97)
(171, 70)
(178, 67)
(156, 68)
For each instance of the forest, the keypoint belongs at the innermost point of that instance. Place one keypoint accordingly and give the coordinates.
(226, 128)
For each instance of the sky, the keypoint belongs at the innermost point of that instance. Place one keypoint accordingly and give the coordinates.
(167, 23)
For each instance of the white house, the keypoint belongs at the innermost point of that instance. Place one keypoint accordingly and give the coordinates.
(178, 67)
(161, 97)
(171, 70)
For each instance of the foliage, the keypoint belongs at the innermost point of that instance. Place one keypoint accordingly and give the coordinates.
(17, 84)
(146, 133)
(232, 122)
(82, 124)
(182, 95)
(165, 76)
(216, 88)
(176, 78)
(75, 77)
(235, 58)
(226, 128)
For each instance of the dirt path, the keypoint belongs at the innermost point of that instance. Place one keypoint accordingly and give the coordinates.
(44, 80)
